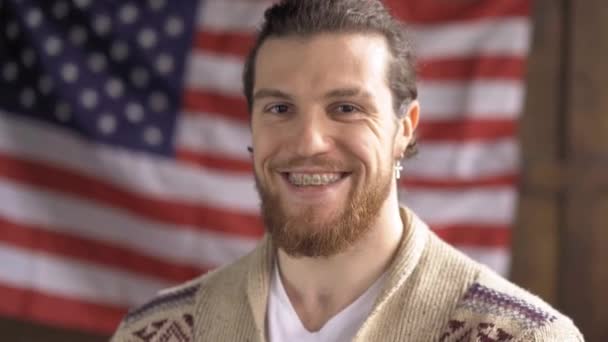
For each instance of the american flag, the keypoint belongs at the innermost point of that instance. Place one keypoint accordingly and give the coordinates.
(123, 134)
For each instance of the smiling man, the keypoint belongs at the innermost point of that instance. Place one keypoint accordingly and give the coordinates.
(332, 95)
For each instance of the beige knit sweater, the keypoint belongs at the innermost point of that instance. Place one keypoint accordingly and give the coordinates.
(432, 293)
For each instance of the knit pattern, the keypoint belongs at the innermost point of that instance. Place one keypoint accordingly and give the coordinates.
(163, 302)
(485, 314)
(166, 330)
(166, 318)
(484, 300)
(461, 331)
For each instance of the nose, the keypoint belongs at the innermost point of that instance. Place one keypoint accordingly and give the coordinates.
(311, 136)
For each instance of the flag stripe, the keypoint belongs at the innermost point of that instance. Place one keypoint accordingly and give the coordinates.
(466, 130)
(74, 279)
(498, 259)
(462, 207)
(502, 36)
(77, 217)
(235, 44)
(438, 184)
(180, 214)
(46, 240)
(471, 235)
(477, 67)
(213, 161)
(465, 161)
(479, 99)
(432, 12)
(145, 176)
(59, 311)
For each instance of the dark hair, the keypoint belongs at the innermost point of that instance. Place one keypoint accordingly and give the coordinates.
(309, 17)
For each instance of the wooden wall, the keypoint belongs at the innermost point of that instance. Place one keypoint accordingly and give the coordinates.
(561, 240)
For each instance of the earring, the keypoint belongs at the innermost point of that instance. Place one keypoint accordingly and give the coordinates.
(398, 169)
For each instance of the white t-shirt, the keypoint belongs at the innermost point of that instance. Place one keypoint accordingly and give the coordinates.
(285, 325)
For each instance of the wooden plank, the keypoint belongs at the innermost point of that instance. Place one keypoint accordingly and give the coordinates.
(536, 246)
(583, 252)
(535, 236)
(588, 71)
(599, 270)
(584, 274)
(539, 129)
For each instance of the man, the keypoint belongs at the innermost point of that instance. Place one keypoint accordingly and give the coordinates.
(332, 96)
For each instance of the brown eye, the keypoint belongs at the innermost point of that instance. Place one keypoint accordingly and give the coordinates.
(279, 109)
(346, 108)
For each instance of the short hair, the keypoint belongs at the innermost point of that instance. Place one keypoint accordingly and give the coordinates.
(310, 17)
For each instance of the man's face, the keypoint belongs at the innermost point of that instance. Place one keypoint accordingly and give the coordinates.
(324, 137)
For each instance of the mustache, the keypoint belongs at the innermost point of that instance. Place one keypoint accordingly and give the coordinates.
(315, 161)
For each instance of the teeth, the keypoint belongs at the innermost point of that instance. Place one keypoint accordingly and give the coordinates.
(314, 179)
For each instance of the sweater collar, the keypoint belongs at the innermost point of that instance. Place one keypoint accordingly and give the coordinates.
(406, 258)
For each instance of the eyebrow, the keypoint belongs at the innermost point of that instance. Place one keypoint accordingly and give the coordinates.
(348, 92)
(264, 93)
(336, 93)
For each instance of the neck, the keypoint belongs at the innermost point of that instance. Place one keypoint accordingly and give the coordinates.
(319, 288)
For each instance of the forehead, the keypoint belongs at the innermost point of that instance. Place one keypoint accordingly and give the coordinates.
(322, 61)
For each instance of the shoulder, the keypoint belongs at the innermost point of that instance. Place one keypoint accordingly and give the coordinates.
(489, 307)
(494, 309)
(170, 314)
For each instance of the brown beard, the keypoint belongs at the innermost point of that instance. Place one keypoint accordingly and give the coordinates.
(301, 236)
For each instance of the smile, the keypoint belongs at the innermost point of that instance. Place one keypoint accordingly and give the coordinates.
(301, 179)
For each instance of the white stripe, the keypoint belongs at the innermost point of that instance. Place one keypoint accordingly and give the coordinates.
(478, 206)
(54, 275)
(496, 36)
(439, 100)
(493, 99)
(155, 177)
(215, 72)
(233, 15)
(78, 217)
(498, 259)
(492, 36)
(210, 71)
(211, 133)
(464, 161)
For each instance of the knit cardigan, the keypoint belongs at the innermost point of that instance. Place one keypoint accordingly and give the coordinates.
(432, 292)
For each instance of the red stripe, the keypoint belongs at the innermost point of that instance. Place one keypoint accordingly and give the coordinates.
(209, 160)
(475, 235)
(455, 184)
(173, 212)
(59, 311)
(228, 43)
(434, 11)
(495, 67)
(466, 130)
(213, 103)
(39, 238)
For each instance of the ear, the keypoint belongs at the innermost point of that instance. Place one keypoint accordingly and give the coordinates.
(406, 127)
